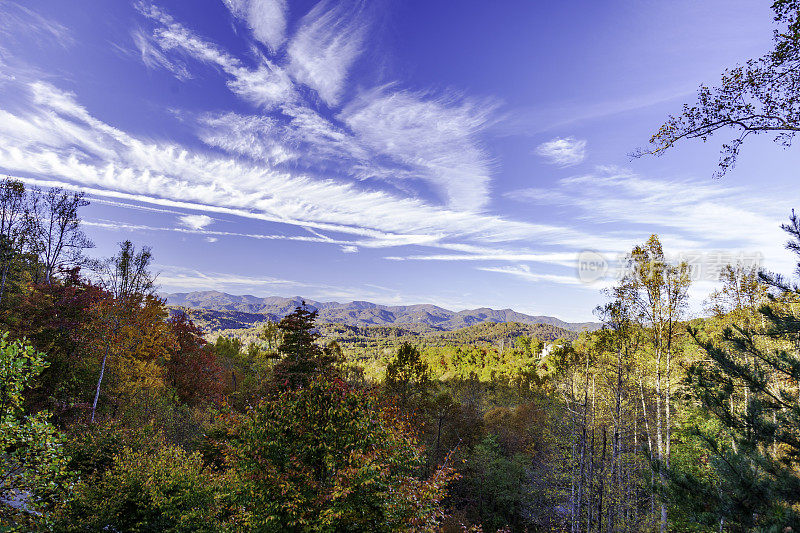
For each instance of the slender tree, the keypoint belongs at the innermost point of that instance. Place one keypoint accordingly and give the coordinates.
(658, 291)
(128, 281)
(13, 207)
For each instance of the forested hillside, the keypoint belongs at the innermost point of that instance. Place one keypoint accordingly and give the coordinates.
(485, 345)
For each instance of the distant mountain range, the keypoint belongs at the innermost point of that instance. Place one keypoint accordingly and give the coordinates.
(248, 309)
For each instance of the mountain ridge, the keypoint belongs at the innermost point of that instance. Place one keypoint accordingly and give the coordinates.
(361, 313)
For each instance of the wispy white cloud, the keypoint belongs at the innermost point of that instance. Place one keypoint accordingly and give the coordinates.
(260, 138)
(210, 235)
(18, 22)
(24, 32)
(702, 211)
(525, 272)
(60, 138)
(384, 134)
(327, 43)
(687, 214)
(319, 55)
(135, 207)
(434, 139)
(266, 19)
(266, 85)
(154, 58)
(64, 140)
(558, 258)
(175, 277)
(552, 116)
(196, 222)
(624, 208)
(564, 152)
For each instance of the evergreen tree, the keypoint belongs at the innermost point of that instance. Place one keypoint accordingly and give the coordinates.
(753, 445)
(301, 356)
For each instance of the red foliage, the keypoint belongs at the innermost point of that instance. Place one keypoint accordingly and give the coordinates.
(52, 318)
(192, 369)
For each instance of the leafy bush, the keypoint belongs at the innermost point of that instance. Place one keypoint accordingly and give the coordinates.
(32, 465)
(166, 490)
(326, 457)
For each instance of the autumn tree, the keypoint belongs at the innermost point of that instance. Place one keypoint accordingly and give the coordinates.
(760, 97)
(127, 274)
(130, 319)
(58, 320)
(192, 370)
(327, 457)
(54, 230)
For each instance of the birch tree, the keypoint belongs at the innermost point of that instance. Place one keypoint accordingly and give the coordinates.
(127, 279)
(659, 293)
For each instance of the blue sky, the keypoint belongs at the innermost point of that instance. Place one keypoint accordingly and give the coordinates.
(462, 154)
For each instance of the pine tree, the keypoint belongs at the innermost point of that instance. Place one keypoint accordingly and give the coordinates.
(754, 448)
(301, 356)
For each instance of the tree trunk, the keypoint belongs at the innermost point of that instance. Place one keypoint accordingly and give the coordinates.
(3, 282)
(601, 485)
(99, 382)
(660, 434)
(109, 342)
